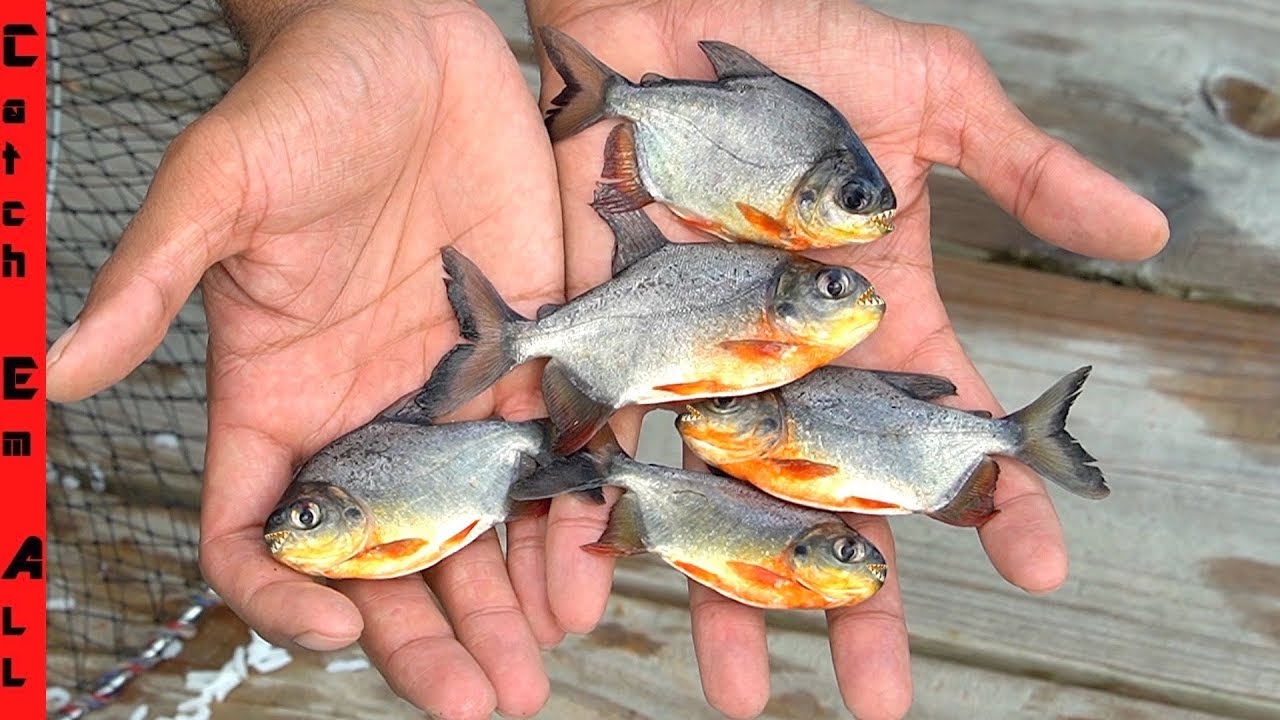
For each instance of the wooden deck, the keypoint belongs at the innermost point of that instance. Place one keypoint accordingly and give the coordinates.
(1172, 609)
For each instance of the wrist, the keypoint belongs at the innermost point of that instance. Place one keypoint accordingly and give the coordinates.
(255, 22)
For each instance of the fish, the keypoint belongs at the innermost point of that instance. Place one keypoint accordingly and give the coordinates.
(676, 321)
(399, 494)
(868, 441)
(722, 533)
(749, 157)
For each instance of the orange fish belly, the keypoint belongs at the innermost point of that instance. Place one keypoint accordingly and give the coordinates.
(809, 483)
(746, 365)
(755, 585)
(401, 557)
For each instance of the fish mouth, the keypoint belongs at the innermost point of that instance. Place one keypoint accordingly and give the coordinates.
(870, 297)
(883, 220)
(879, 571)
(275, 540)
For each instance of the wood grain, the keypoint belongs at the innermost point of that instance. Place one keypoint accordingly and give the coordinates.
(1138, 87)
(637, 664)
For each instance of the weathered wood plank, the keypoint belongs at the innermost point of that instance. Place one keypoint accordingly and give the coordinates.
(1134, 87)
(639, 664)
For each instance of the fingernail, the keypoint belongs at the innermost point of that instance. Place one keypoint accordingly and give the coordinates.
(314, 641)
(59, 346)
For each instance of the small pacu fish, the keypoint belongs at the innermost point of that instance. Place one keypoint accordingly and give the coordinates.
(870, 442)
(723, 533)
(677, 321)
(398, 495)
(750, 157)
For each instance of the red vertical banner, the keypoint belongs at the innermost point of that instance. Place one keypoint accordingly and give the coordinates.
(22, 352)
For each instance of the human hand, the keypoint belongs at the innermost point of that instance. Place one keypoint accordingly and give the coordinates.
(916, 95)
(314, 200)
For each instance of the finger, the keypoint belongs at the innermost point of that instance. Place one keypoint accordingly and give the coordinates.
(729, 643)
(732, 652)
(869, 640)
(1024, 539)
(527, 568)
(1053, 191)
(185, 225)
(516, 399)
(473, 587)
(578, 582)
(409, 641)
(243, 478)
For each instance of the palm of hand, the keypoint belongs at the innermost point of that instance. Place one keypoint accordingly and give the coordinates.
(916, 95)
(314, 200)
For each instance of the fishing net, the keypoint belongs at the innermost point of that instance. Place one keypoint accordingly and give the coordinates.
(124, 76)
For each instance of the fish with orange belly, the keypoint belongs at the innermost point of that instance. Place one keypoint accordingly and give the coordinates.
(867, 441)
(399, 494)
(720, 532)
(676, 321)
(750, 156)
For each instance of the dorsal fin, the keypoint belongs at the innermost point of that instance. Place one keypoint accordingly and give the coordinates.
(650, 79)
(730, 61)
(405, 409)
(918, 385)
(634, 234)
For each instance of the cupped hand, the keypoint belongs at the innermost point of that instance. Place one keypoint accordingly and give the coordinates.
(311, 205)
(917, 95)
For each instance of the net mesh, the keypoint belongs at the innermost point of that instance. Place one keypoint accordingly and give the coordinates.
(125, 76)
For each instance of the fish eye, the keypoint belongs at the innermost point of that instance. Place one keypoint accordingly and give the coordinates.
(834, 283)
(306, 514)
(848, 550)
(724, 404)
(854, 197)
(353, 514)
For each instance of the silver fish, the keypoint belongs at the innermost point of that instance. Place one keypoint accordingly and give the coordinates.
(722, 533)
(677, 321)
(398, 495)
(751, 156)
(871, 442)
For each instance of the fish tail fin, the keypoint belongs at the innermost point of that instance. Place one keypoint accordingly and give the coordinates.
(1047, 446)
(583, 101)
(484, 319)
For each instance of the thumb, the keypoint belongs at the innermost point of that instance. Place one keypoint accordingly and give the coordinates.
(188, 221)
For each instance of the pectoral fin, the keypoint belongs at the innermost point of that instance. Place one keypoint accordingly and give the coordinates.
(757, 351)
(697, 388)
(763, 222)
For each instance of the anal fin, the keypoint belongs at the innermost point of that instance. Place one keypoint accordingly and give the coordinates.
(624, 535)
(975, 503)
(576, 415)
(622, 172)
